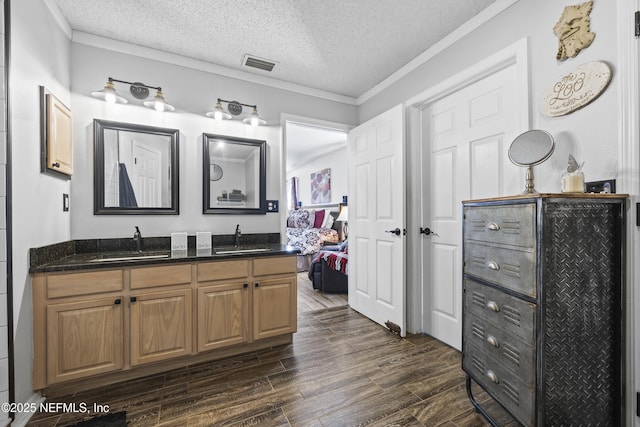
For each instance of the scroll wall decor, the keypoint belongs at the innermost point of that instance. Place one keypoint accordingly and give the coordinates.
(573, 30)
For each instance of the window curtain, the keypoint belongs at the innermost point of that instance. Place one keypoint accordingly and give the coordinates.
(293, 193)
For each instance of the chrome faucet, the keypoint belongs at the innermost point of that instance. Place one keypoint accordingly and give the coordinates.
(237, 236)
(137, 237)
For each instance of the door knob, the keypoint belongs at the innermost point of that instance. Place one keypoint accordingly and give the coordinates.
(426, 231)
(397, 231)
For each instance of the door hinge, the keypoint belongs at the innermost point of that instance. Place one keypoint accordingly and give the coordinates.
(637, 26)
(638, 404)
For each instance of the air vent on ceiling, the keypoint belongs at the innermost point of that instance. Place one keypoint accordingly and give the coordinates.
(259, 63)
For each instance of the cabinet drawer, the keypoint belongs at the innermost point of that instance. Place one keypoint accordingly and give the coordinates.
(150, 277)
(516, 396)
(512, 315)
(513, 269)
(222, 270)
(510, 225)
(278, 265)
(75, 284)
(507, 349)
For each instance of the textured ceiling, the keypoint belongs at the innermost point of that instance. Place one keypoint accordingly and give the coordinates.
(344, 47)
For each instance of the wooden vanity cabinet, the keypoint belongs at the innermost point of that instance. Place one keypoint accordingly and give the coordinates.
(274, 297)
(135, 321)
(78, 325)
(161, 322)
(223, 304)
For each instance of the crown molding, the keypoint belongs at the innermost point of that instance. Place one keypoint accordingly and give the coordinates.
(196, 64)
(59, 17)
(488, 13)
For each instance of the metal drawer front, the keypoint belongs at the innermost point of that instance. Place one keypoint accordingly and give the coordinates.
(513, 269)
(513, 394)
(507, 349)
(509, 225)
(514, 316)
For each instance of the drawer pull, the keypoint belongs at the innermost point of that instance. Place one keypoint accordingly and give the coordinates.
(493, 306)
(492, 376)
(493, 341)
(493, 265)
(493, 226)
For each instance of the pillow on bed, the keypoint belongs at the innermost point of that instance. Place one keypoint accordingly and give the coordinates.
(328, 219)
(319, 218)
(299, 218)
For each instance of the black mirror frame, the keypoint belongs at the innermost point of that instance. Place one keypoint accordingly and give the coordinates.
(99, 208)
(206, 183)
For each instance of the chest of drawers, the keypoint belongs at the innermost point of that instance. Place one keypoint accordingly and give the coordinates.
(543, 319)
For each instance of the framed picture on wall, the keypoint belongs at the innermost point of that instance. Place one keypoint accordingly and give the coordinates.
(321, 187)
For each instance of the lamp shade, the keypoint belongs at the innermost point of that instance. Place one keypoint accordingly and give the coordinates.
(109, 94)
(344, 214)
(254, 119)
(218, 113)
(158, 103)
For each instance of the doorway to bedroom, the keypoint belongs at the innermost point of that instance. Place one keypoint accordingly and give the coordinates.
(315, 186)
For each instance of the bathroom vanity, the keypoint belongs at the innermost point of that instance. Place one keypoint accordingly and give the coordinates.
(102, 317)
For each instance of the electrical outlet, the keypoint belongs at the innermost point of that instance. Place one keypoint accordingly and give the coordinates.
(606, 186)
(272, 206)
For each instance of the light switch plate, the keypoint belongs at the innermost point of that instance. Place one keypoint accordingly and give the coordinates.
(65, 202)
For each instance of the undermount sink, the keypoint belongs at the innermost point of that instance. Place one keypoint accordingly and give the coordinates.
(238, 250)
(106, 258)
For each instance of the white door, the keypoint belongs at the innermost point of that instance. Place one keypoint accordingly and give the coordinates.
(376, 211)
(466, 136)
(146, 175)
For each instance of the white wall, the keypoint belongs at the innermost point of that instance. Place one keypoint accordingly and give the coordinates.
(193, 93)
(40, 56)
(591, 134)
(336, 161)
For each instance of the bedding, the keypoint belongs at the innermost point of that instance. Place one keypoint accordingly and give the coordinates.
(308, 230)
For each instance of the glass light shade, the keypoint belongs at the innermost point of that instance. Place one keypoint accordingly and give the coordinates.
(218, 113)
(254, 119)
(109, 94)
(158, 103)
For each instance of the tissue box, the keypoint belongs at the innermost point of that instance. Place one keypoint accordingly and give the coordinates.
(179, 245)
(203, 243)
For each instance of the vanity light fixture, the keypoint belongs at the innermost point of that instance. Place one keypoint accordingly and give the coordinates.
(234, 108)
(137, 90)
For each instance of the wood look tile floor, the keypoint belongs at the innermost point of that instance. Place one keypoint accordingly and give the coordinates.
(341, 370)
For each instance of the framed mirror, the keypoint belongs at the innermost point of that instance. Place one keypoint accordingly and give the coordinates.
(234, 175)
(135, 169)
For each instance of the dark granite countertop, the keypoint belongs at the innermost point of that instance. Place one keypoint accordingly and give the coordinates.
(120, 253)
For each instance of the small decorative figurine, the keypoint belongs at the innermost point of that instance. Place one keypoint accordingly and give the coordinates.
(573, 179)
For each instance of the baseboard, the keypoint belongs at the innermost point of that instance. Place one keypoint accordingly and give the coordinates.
(22, 418)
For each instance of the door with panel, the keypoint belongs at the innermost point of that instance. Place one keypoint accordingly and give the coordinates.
(377, 285)
(466, 136)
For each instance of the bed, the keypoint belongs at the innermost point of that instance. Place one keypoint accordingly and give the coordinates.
(308, 230)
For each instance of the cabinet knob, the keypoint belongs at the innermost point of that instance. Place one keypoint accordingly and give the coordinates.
(257, 285)
(492, 376)
(56, 165)
(117, 301)
(492, 265)
(493, 341)
(133, 299)
(493, 306)
(492, 226)
(246, 285)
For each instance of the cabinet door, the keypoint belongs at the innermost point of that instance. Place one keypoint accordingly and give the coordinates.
(223, 315)
(84, 338)
(274, 307)
(161, 325)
